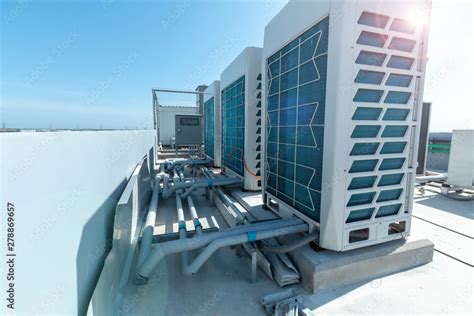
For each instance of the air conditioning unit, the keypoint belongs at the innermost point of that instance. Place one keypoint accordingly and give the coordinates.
(241, 118)
(343, 93)
(212, 123)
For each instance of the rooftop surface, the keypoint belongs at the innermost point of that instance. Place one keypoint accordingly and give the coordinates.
(223, 286)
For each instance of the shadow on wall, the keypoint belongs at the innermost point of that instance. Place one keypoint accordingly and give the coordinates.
(112, 255)
(95, 244)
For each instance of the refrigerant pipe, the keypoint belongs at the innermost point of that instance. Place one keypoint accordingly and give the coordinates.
(198, 184)
(159, 251)
(210, 183)
(241, 218)
(181, 221)
(176, 163)
(250, 236)
(146, 240)
(192, 210)
(433, 178)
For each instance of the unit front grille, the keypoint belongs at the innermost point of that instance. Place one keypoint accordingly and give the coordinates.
(296, 102)
(233, 125)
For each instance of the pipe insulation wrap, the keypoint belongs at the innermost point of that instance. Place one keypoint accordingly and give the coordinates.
(159, 251)
(210, 183)
(146, 241)
(240, 239)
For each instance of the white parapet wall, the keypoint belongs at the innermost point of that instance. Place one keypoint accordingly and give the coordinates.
(63, 187)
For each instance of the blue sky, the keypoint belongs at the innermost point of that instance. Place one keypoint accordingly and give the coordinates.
(93, 63)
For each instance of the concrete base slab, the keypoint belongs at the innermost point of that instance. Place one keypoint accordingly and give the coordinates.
(329, 269)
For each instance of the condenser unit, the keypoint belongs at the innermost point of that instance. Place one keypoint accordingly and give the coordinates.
(343, 93)
(241, 118)
(212, 123)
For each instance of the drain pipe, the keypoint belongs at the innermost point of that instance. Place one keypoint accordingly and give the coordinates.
(159, 251)
(181, 221)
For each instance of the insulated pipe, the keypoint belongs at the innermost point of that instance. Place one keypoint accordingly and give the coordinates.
(192, 210)
(145, 244)
(166, 183)
(191, 186)
(176, 186)
(241, 239)
(181, 221)
(439, 177)
(176, 163)
(210, 183)
(226, 200)
(159, 251)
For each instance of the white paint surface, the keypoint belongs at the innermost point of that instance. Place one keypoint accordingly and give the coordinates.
(64, 186)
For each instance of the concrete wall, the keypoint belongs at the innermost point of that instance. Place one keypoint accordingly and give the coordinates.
(64, 187)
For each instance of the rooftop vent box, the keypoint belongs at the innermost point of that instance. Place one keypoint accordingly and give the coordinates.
(343, 92)
(241, 118)
(212, 123)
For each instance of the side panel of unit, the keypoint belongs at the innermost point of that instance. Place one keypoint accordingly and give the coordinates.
(240, 84)
(212, 123)
(376, 64)
(253, 119)
(424, 136)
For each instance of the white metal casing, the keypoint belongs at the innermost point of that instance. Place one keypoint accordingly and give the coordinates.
(213, 91)
(461, 159)
(343, 50)
(248, 65)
